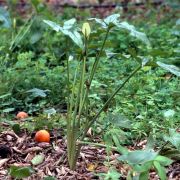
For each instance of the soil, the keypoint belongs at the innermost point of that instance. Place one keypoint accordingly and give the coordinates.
(19, 150)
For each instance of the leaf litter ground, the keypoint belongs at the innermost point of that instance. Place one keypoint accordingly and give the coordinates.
(19, 150)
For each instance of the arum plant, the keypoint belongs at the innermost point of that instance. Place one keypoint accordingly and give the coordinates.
(79, 120)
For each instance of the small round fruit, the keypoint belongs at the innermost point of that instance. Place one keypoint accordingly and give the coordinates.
(22, 115)
(42, 136)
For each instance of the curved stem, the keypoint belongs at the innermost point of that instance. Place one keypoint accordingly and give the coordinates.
(108, 101)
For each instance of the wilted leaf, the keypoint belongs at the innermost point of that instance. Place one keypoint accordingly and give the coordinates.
(91, 167)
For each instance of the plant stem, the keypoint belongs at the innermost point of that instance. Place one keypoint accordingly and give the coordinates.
(93, 70)
(97, 144)
(107, 102)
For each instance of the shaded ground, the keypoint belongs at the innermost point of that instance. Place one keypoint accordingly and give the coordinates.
(20, 150)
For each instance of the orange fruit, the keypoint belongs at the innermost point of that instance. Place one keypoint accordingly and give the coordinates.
(42, 136)
(22, 115)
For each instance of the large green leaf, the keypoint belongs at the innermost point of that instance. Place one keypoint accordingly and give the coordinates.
(171, 68)
(133, 32)
(68, 29)
(113, 20)
(5, 20)
(138, 157)
(20, 172)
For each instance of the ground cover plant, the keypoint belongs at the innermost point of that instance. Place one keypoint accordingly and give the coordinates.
(94, 98)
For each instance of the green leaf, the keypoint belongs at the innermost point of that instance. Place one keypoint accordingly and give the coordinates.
(169, 113)
(178, 22)
(160, 170)
(5, 20)
(133, 32)
(16, 128)
(49, 178)
(99, 21)
(171, 68)
(53, 25)
(144, 167)
(120, 148)
(69, 24)
(119, 120)
(164, 161)
(5, 95)
(138, 157)
(172, 153)
(38, 159)
(20, 172)
(173, 138)
(144, 175)
(112, 19)
(7, 110)
(112, 174)
(38, 92)
(68, 29)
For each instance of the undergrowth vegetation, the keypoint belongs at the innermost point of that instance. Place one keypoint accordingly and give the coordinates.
(116, 81)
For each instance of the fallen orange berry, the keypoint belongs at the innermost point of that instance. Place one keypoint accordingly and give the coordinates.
(22, 115)
(42, 136)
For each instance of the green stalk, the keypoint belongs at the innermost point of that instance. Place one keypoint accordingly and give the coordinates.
(98, 145)
(93, 70)
(24, 30)
(108, 101)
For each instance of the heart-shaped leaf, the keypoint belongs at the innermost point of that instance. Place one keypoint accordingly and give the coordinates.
(138, 157)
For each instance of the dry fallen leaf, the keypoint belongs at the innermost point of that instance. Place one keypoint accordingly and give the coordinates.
(3, 161)
(91, 166)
